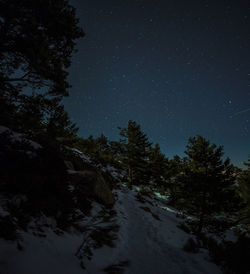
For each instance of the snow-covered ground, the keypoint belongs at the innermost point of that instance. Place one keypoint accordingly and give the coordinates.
(149, 245)
(148, 240)
(145, 245)
(52, 254)
(19, 137)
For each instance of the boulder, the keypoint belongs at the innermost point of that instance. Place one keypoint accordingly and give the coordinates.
(92, 183)
(103, 192)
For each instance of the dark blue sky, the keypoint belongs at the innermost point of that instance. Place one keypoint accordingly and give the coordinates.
(178, 68)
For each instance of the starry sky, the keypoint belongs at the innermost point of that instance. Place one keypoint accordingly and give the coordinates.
(178, 68)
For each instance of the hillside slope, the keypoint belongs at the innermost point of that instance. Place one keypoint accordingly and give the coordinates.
(135, 235)
(148, 241)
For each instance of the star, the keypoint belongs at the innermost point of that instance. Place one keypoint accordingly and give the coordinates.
(164, 66)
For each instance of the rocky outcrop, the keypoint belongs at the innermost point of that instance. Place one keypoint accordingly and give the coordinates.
(91, 183)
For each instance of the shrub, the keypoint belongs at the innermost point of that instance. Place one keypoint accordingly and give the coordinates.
(237, 256)
(38, 175)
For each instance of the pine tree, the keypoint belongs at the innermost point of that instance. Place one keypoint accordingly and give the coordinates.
(103, 154)
(98, 149)
(244, 188)
(37, 39)
(157, 166)
(30, 114)
(102, 143)
(59, 126)
(207, 184)
(175, 169)
(135, 153)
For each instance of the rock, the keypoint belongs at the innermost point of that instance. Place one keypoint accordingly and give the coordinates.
(92, 183)
(103, 192)
(74, 160)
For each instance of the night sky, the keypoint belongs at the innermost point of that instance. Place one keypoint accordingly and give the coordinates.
(178, 68)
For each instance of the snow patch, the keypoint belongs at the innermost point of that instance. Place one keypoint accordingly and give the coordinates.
(19, 137)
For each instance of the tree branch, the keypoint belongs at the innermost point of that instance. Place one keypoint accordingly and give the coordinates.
(21, 79)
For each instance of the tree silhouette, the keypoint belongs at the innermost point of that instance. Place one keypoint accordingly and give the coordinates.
(37, 39)
(135, 153)
(207, 183)
(157, 166)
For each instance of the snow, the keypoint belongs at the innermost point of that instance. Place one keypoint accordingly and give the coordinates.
(148, 239)
(148, 245)
(53, 254)
(75, 150)
(19, 137)
(161, 196)
(71, 171)
(84, 157)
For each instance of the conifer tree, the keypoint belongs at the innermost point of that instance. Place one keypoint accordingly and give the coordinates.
(59, 125)
(157, 166)
(30, 113)
(175, 169)
(87, 146)
(207, 184)
(103, 154)
(135, 153)
(37, 39)
(102, 143)
(98, 149)
(244, 188)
